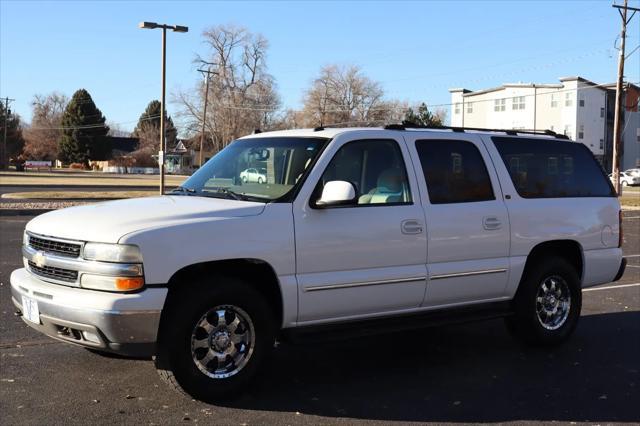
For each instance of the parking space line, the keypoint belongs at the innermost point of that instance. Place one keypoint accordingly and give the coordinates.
(634, 217)
(633, 266)
(632, 255)
(611, 287)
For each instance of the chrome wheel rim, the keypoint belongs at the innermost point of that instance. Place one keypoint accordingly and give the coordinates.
(553, 302)
(222, 341)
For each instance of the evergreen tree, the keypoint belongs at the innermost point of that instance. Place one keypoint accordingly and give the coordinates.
(148, 129)
(423, 117)
(84, 130)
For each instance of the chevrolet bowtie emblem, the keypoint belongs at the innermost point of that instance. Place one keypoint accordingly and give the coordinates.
(38, 259)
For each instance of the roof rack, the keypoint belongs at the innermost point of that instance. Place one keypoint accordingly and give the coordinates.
(361, 123)
(513, 132)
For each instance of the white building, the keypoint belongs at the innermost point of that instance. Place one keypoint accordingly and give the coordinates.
(576, 107)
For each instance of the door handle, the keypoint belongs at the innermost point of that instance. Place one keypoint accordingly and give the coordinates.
(491, 223)
(411, 226)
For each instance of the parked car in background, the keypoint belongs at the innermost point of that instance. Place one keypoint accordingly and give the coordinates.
(627, 179)
(633, 172)
(253, 175)
(358, 230)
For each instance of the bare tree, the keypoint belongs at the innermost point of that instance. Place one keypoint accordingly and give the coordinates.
(41, 138)
(342, 94)
(242, 94)
(116, 130)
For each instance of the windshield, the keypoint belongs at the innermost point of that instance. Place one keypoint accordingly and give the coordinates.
(256, 169)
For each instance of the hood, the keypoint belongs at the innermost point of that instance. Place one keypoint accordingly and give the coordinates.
(109, 221)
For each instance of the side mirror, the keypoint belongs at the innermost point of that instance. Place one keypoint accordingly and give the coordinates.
(337, 193)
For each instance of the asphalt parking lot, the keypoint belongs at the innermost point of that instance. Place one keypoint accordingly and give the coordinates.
(465, 373)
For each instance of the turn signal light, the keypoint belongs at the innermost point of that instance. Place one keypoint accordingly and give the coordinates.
(128, 284)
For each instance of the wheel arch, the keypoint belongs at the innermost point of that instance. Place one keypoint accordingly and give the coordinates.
(256, 272)
(570, 250)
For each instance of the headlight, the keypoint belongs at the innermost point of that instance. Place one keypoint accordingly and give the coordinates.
(25, 238)
(121, 253)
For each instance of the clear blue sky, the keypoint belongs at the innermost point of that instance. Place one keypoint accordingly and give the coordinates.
(417, 50)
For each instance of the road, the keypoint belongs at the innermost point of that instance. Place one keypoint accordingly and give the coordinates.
(465, 373)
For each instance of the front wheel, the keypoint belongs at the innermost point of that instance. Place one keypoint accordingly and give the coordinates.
(214, 338)
(624, 183)
(260, 180)
(548, 303)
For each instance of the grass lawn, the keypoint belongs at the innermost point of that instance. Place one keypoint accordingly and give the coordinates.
(56, 178)
(77, 195)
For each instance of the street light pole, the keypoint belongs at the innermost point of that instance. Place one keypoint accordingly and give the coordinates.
(163, 141)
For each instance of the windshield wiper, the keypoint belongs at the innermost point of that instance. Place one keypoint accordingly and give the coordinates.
(227, 193)
(183, 189)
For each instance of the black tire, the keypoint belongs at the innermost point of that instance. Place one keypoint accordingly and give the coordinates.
(174, 360)
(537, 328)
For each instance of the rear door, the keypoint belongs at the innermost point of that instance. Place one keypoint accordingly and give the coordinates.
(369, 257)
(467, 220)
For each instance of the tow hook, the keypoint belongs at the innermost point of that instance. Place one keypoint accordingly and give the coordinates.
(18, 313)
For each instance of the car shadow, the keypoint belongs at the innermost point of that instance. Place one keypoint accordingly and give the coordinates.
(464, 373)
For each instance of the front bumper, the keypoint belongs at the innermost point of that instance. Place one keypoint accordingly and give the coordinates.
(121, 323)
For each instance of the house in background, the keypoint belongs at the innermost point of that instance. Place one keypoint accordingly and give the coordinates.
(576, 107)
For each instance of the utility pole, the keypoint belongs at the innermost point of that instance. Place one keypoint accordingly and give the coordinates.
(207, 73)
(7, 112)
(619, 111)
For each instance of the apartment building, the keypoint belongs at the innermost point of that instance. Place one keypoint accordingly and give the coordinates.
(576, 107)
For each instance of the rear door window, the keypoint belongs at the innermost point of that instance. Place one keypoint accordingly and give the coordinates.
(454, 171)
(541, 168)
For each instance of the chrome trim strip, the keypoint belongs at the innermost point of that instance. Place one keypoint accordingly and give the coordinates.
(363, 283)
(82, 266)
(467, 274)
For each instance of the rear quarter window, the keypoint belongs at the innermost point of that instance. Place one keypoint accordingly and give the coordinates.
(541, 168)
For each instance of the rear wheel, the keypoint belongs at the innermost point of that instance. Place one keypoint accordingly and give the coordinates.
(214, 338)
(548, 303)
(260, 180)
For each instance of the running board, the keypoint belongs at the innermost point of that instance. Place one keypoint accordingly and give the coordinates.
(389, 324)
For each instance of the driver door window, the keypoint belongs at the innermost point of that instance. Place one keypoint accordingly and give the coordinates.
(376, 170)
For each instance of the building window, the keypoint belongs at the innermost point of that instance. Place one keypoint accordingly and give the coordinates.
(567, 131)
(470, 108)
(601, 112)
(499, 105)
(457, 108)
(601, 143)
(518, 102)
(554, 101)
(568, 101)
(581, 102)
(581, 132)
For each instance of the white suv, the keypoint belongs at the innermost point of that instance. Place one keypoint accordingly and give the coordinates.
(359, 229)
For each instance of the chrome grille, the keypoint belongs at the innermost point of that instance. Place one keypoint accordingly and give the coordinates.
(54, 273)
(56, 247)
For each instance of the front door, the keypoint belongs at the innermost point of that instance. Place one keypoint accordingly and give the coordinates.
(368, 257)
